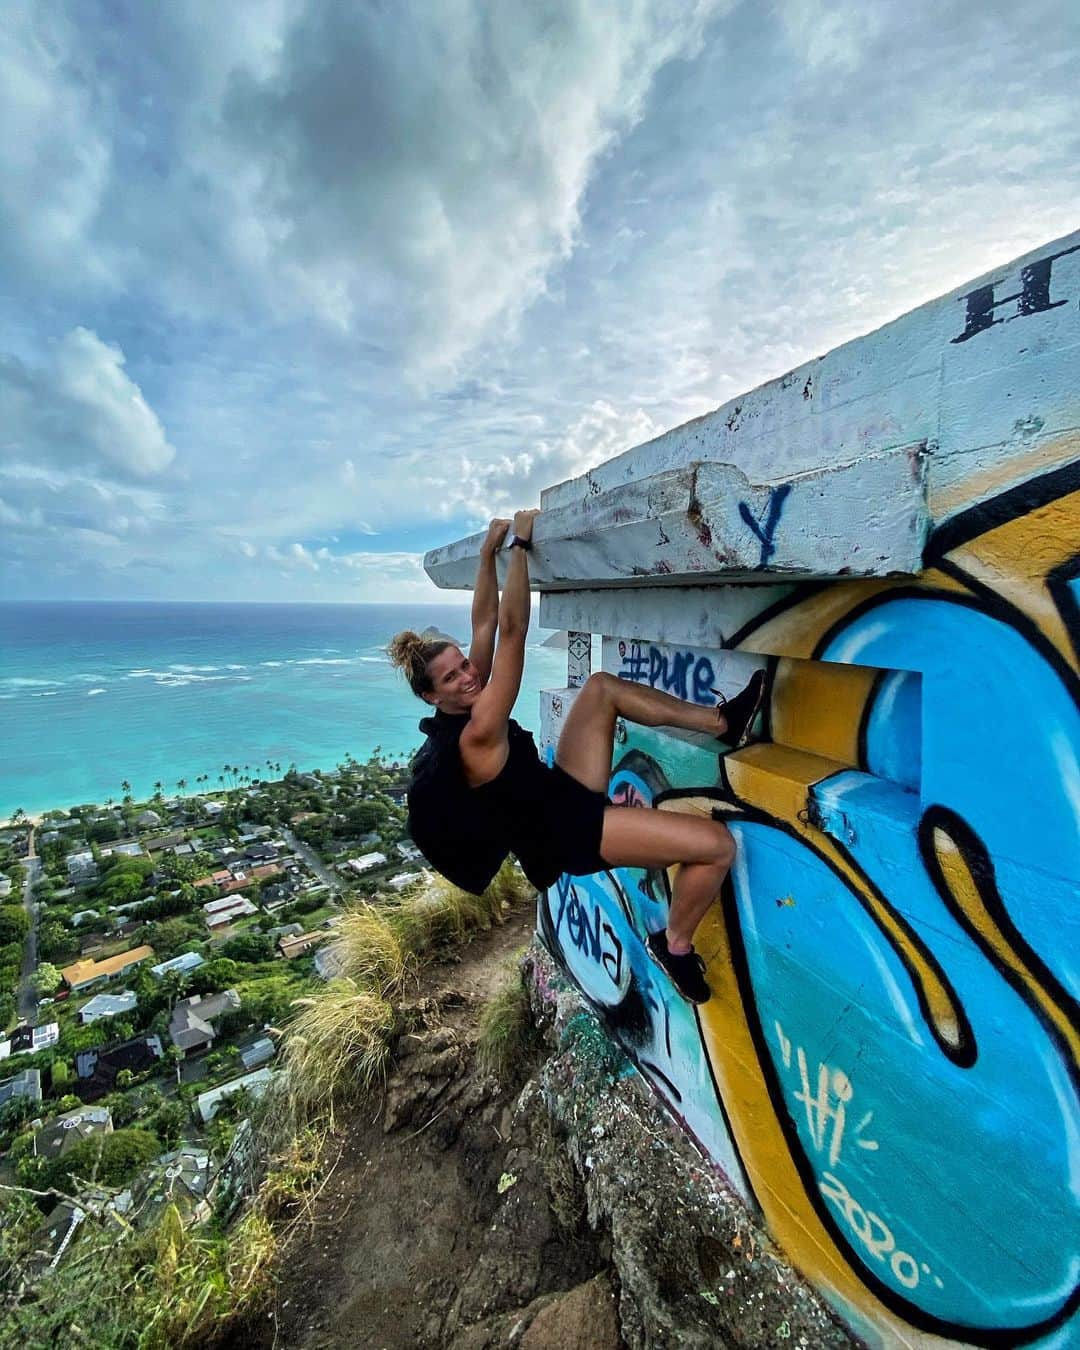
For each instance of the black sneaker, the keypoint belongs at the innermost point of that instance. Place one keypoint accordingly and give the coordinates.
(687, 973)
(739, 712)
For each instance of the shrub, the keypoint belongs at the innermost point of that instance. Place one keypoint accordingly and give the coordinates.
(109, 1159)
(507, 1031)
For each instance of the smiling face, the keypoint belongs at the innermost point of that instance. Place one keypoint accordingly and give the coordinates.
(455, 681)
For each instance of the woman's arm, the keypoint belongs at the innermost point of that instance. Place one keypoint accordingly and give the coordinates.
(485, 738)
(485, 605)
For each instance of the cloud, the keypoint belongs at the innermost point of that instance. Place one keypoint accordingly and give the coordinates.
(55, 157)
(395, 268)
(80, 407)
(419, 166)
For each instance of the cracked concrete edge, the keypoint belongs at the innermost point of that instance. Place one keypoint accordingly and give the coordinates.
(695, 1267)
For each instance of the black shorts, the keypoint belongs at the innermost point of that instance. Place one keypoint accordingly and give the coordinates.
(579, 824)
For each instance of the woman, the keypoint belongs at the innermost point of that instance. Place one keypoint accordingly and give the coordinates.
(479, 790)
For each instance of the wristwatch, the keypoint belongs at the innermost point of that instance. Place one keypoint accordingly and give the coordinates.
(517, 542)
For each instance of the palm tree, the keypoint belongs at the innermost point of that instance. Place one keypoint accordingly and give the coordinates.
(126, 786)
(181, 784)
(158, 789)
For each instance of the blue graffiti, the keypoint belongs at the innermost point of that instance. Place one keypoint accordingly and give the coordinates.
(766, 532)
(593, 936)
(682, 673)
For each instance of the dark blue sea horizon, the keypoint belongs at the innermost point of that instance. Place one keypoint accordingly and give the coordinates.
(93, 693)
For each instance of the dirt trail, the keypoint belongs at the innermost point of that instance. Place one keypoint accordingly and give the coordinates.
(450, 1219)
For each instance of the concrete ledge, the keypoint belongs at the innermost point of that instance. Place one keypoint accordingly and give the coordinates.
(704, 521)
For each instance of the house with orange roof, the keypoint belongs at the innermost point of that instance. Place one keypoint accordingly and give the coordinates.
(82, 974)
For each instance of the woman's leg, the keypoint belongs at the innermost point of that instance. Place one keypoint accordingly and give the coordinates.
(587, 739)
(637, 837)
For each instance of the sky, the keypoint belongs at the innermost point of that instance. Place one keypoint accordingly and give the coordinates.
(294, 290)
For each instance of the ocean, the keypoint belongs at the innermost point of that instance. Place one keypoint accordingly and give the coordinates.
(94, 694)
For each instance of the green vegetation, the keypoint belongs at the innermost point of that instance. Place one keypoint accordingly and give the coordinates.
(338, 1043)
(109, 1159)
(126, 1285)
(507, 1032)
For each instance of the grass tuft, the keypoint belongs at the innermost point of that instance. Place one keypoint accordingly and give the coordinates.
(506, 1030)
(337, 1045)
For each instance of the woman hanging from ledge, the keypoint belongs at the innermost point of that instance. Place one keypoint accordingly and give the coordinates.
(480, 791)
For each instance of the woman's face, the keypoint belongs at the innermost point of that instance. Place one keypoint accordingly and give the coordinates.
(455, 681)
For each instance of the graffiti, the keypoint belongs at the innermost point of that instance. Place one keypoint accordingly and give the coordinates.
(890, 1062)
(766, 532)
(683, 673)
(1033, 297)
(590, 933)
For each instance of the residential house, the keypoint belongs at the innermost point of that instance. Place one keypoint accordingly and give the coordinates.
(191, 1026)
(97, 1069)
(329, 961)
(208, 1102)
(258, 1052)
(52, 1238)
(128, 848)
(219, 914)
(404, 879)
(63, 1133)
(25, 1038)
(81, 868)
(213, 809)
(300, 945)
(185, 964)
(366, 863)
(164, 842)
(286, 930)
(83, 916)
(408, 850)
(82, 974)
(107, 1005)
(275, 895)
(181, 1178)
(5, 886)
(260, 853)
(218, 878)
(148, 820)
(26, 1084)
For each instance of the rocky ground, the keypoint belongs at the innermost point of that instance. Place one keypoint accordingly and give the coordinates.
(452, 1217)
(559, 1210)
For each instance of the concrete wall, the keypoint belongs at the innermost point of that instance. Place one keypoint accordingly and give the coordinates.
(888, 1068)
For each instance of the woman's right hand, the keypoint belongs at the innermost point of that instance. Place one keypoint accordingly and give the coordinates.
(523, 524)
(494, 539)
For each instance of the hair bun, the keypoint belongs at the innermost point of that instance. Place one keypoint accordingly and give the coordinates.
(404, 648)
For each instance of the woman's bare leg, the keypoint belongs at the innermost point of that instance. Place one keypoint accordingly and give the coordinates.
(587, 739)
(637, 837)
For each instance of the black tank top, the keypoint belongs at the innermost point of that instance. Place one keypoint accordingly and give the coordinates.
(465, 832)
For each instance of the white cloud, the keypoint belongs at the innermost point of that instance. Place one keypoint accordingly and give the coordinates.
(54, 153)
(80, 407)
(286, 218)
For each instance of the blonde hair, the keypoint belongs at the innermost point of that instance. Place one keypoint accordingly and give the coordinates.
(411, 653)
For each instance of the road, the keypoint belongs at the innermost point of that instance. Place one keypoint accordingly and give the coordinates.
(313, 861)
(27, 1001)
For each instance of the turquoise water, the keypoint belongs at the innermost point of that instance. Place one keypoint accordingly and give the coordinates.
(92, 694)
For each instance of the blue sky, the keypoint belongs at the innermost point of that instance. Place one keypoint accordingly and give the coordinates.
(291, 291)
